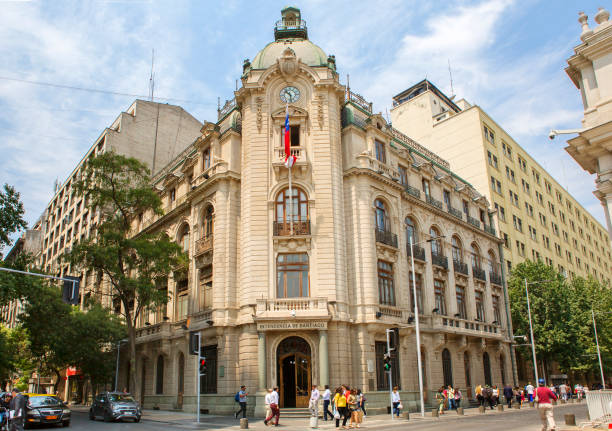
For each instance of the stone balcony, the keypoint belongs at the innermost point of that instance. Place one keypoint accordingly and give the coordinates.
(467, 327)
(292, 308)
(204, 245)
(301, 162)
(158, 331)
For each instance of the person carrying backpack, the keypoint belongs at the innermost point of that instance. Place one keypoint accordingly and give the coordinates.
(241, 398)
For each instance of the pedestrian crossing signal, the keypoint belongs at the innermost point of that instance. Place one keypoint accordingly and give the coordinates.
(202, 366)
(387, 362)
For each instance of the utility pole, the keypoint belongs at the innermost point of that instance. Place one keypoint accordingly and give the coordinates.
(199, 376)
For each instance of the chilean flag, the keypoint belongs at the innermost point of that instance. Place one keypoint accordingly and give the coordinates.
(289, 159)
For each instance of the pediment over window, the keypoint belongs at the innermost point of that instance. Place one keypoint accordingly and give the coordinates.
(294, 112)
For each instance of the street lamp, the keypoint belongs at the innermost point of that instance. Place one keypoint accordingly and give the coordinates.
(117, 367)
(416, 319)
(535, 364)
(603, 381)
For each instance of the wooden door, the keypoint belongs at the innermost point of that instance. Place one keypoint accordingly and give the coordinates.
(302, 379)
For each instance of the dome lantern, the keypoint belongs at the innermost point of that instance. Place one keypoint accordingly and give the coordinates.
(291, 25)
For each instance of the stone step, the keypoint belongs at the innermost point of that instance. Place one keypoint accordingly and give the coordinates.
(295, 413)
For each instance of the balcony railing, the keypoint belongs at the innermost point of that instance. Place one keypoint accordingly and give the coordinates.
(288, 308)
(439, 260)
(299, 228)
(460, 267)
(285, 28)
(479, 273)
(413, 191)
(490, 229)
(455, 212)
(386, 237)
(204, 244)
(359, 100)
(474, 327)
(474, 222)
(390, 311)
(298, 152)
(419, 252)
(495, 278)
(433, 201)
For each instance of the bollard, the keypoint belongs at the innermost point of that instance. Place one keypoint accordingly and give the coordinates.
(563, 401)
(516, 405)
(482, 409)
(570, 419)
(434, 413)
(406, 415)
(500, 407)
(530, 403)
(460, 411)
(244, 423)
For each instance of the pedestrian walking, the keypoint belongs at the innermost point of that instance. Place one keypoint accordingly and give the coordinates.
(17, 407)
(544, 397)
(326, 402)
(360, 398)
(352, 406)
(563, 391)
(495, 395)
(458, 398)
(396, 401)
(267, 400)
(508, 395)
(440, 400)
(518, 394)
(529, 390)
(241, 398)
(363, 409)
(487, 393)
(479, 395)
(340, 405)
(313, 406)
(450, 395)
(274, 410)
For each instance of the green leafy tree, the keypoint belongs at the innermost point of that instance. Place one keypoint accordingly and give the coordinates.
(11, 215)
(120, 189)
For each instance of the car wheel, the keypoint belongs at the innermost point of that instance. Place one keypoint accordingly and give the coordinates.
(66, 424)
(107, 417)
(92, 417)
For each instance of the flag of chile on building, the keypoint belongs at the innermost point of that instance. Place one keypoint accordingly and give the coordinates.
(289, 159)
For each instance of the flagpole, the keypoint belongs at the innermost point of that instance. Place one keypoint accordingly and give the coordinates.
(290, 204)
(288, 163)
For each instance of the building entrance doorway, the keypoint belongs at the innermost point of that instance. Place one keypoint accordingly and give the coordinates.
(294, 372)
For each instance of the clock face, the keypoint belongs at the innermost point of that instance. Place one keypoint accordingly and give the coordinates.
(290, 94)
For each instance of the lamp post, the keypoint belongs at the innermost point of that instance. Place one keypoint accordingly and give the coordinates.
(603, 380)
(535, 364)
(117, 366)
(416, 320)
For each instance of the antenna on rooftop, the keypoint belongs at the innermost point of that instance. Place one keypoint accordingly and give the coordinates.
(152, 76)
(450, 73)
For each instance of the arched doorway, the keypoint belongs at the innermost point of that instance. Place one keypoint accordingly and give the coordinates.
(294, 372)
(181, 380)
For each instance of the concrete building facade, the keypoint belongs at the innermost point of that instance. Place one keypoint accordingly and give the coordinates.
(535, 216)
(591, 72)
(293, 288)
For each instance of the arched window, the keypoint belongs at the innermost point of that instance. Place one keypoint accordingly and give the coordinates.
(297, 210)
(436, 245)
(486, 363)
(502, 369)
(159, 376)
(381, 218)
(411, 231)
(492, 262)
(207, 225)
(447, 368)
(475, 254)
(184, 238)
(466, 366)
(457, 249)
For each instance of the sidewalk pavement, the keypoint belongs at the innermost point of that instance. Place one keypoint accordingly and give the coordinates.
(187, 420)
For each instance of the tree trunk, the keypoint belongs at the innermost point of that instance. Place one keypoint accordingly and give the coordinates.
(57, 380)
(133, 363)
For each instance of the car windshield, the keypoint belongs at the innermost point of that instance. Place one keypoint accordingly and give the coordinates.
(120, 398)
(44, 401)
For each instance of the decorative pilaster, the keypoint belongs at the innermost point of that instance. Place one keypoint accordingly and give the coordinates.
(323, 360)
(261, 361)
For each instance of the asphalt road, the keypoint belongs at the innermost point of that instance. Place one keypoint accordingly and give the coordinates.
(524, 420)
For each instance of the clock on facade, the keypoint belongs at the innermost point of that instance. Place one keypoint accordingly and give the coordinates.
(290, 94)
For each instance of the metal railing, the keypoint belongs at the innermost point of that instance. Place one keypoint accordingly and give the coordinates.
(386, 237)
(290, 28)
(490, 229)
(479, 273)
(413, 191)
(439, 260)
(359, 100)
(495, 278)
(419, 252)
(433, 201)
(474, 222)
(299, 228)
(227, 107)
(455, 212)
(599, 404)
(460, 267)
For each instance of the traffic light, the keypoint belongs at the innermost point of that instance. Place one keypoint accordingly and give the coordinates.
(194, 343)
(394, 338)
(202, 366)
(70, 290)
(387, 362)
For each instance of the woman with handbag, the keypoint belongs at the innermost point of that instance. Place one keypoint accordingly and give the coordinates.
(397, 402)
(341, 410)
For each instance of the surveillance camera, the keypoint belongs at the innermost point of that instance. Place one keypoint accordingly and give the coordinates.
(552, 135)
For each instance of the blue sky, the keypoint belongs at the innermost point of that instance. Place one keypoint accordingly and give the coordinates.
(507, 56)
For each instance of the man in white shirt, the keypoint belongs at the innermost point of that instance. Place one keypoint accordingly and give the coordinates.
(326, 401)
(275, 411)
(267, 399)
(313, 405)
(529, 389)
(563, 391)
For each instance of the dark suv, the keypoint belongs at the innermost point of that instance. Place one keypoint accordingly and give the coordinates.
(45, 410)
(113, 406)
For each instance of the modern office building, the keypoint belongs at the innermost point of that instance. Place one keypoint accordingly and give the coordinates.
(589, 69)
(536, 217)
(293, 287)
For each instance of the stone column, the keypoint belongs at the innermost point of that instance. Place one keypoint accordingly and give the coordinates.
(323, 360)
(261, 361)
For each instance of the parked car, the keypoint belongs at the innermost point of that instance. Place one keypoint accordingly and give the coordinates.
(112, 406)
(44, 409)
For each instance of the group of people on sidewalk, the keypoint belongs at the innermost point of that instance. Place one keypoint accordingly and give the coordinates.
(448, 398)
(13, 411)
(346, 403)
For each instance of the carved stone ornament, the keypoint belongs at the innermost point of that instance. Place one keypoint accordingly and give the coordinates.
(259, 115)
(288, 63)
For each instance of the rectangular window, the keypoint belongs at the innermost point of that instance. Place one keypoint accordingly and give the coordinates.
(440, 297)
(514, 198)
(466, 208)
(496, 185)
(479, 306)
(522, 164)
(510, 174)
(382, 378)
(460, 293)
(526, 187)
(507, 150)
(419, 284)
(403, 173)
(206, 159)
(208, 382)
(295, 135)
(529, 209)
(447, 198)
(496, 309)
(206, 285)
(492, 159)
(489, 135)
(172, 195)
(292, 275)
(501, 211)
(506, 240)
(425, 185)
(518, 223)
(386, 289)
(381, 154)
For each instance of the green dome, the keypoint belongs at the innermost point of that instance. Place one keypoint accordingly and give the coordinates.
(305, 50)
